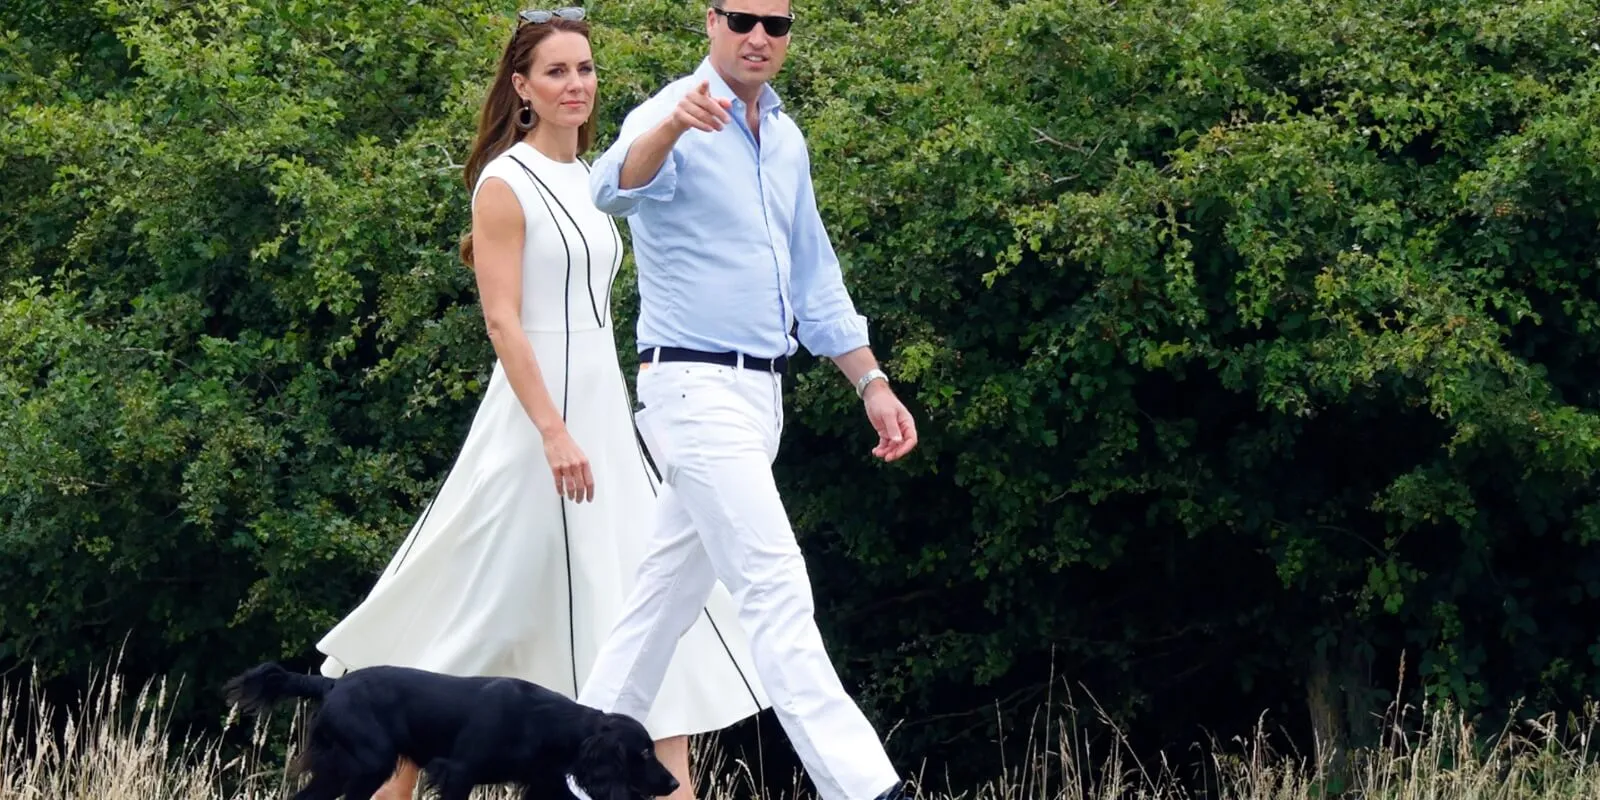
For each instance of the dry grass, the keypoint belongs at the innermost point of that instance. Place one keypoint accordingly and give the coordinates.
(120, 746)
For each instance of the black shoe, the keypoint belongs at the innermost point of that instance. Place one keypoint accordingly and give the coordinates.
(900, 791)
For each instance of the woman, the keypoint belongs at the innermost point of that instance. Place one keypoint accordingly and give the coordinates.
(523, 560)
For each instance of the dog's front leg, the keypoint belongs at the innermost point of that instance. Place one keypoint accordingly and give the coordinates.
(452, 778)
(547, 788)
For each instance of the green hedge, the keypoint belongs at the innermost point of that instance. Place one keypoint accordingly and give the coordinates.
(1253, 344)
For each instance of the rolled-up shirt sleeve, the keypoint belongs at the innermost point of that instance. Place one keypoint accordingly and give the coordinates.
(606, 176)
(828, 324)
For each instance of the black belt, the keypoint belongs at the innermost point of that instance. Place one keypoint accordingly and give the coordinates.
(650, 354)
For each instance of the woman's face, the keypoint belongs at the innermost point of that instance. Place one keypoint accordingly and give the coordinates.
(561, 83)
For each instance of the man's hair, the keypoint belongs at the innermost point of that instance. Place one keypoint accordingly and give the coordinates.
(724, 4)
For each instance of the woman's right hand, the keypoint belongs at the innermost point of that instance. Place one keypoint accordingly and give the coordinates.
(574, 479)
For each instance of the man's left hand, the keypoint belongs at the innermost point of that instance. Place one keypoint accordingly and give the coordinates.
(897, 434)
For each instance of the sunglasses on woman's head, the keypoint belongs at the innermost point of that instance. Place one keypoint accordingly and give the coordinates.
(743, 22)
(539, 16)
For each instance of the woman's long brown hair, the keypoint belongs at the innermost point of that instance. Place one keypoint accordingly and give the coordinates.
(497, 120)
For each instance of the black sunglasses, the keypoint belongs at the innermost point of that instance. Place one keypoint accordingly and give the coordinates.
(742, 22)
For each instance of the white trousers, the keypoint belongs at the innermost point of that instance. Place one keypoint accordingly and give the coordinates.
(713, 432)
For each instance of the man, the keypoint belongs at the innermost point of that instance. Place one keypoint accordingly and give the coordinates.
(732, 256)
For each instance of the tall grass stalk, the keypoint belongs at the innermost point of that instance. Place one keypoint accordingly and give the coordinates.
(117, 744)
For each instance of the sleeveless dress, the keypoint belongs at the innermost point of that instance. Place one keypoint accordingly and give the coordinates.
(501, 575)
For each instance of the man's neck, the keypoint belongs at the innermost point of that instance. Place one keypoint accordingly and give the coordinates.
(751, 95)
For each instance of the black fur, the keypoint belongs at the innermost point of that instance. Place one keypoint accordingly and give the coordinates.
(463, 732)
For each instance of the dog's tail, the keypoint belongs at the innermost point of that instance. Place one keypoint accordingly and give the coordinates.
(262, 686)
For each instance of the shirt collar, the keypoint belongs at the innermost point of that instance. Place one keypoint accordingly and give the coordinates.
(766, 104)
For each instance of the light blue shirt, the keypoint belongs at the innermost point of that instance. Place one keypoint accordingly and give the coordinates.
(731, 253)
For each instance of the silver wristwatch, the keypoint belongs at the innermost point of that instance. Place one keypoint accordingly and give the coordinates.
(865, 380)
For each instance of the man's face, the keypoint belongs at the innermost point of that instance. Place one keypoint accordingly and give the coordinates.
(747, 60)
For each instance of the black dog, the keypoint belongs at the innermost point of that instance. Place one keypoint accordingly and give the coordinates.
(463, 732)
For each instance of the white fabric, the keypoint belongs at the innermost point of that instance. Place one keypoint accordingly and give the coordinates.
(714, 433)
(502, 576)
(571, 250)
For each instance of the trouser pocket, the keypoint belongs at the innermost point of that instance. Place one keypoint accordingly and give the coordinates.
(669, 393)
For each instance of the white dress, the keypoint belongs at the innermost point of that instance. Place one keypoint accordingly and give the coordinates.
(502, 576)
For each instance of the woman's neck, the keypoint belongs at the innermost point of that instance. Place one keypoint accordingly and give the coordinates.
(556, 143)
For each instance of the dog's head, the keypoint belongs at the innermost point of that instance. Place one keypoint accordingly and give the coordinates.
(618, 762)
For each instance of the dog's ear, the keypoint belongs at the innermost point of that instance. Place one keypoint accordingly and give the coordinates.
(601, 768)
